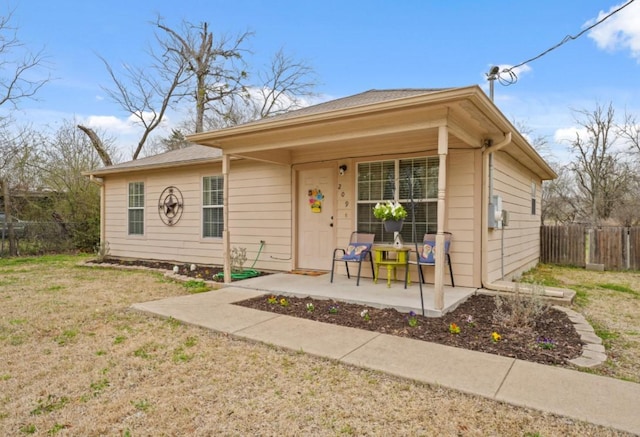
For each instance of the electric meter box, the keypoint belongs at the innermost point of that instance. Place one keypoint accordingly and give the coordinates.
(495, 212)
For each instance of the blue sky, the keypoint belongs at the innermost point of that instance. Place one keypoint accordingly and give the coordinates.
(354, 46)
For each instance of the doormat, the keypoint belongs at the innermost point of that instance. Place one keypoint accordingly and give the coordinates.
(308, 272)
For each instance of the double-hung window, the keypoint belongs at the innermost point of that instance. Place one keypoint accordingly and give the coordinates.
(136, 208)
(212, 204)
(408, 181)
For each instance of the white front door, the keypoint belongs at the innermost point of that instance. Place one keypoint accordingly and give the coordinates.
(316, 199)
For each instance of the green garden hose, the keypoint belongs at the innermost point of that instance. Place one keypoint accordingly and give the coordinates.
(248, 273)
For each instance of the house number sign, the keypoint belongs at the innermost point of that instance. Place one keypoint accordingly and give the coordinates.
(170, 206)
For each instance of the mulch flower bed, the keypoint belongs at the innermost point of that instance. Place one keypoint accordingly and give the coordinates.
(551, 340)
(204, 272)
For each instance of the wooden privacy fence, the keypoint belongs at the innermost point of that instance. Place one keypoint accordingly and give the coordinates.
(615, 247)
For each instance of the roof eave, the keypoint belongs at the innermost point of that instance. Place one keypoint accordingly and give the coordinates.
(503, 123)
(145, 167)
(213, 138)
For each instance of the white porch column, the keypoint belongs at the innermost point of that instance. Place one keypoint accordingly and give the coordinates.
(226, 241)
(443, 148)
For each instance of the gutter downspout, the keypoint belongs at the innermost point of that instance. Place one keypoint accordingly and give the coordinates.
(487, 191)
(103, 204)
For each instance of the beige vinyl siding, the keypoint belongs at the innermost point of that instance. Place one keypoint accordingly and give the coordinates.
(462, 218)
(259, 209)
(521, 245)
(260, 202)
(345, 218)
(181, 242)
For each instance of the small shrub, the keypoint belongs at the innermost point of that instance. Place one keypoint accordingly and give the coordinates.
(520, 311)
(238, 258)
(102, 251)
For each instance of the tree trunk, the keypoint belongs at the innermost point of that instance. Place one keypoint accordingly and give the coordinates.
(13, 246)
(96, 142)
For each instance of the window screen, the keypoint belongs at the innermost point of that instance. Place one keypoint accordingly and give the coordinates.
(401, 180)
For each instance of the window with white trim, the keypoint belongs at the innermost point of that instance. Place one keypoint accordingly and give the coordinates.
(136, 208)
(212, 206)
(399, 180)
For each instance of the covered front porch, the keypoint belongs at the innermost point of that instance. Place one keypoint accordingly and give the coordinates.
(368, 293)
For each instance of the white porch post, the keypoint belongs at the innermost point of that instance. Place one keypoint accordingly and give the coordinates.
(443, 148)
(226, 241)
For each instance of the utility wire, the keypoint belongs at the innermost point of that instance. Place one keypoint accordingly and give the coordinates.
(513, 78)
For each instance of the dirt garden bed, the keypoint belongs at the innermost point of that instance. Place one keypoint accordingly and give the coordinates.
(551, 339)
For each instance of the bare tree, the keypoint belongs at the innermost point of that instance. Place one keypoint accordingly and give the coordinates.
(560, 204)
(191, 63)
(17, 66)
(17, 153)
(626, 210)
(630, 131)
(601, 174)
(284, 85)
(215, 65)
(65, 155)
(19, 69)
(147, 96)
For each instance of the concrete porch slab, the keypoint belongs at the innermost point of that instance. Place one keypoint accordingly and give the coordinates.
(345, 290)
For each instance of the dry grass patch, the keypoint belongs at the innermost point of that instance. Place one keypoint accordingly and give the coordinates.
(77, 361)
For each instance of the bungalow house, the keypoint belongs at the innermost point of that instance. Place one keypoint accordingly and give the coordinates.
(294, 186)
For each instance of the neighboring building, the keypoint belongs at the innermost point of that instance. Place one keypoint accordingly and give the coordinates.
(301, 182)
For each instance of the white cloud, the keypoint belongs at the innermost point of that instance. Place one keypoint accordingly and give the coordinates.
(568, 134)
(147, 116)
(619, 32)
(110, 123)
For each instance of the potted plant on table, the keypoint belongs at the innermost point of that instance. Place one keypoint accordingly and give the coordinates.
(392, 215)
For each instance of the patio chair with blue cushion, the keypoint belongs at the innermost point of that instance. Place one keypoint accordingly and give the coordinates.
(359, 247)
(426, 255)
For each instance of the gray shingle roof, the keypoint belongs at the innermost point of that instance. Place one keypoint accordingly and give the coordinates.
(362, 99)
(188, 155)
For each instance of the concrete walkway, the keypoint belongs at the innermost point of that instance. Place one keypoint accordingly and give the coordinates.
(596, 399)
